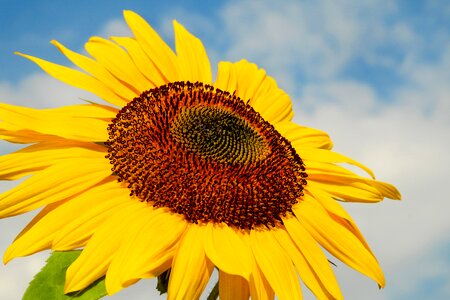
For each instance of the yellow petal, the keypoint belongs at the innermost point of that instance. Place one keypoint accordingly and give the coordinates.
(99, 71)
(259, 286)
(118, 263)
(318, 167)
(77, 113)
(337, 240)
(351, 192)
(89, 111)
(253, 86)
(330, 173)
(54, 122)
(229, 249)
(337, 212)
(226, 77)
(232, 287)
(55, 183)
(313, 266)
(156, 49)
(41, 155)
(191, 269)
(147, 250)
(33, 243)
(336, 183)
(304, 136)
(322, 155)
(272, 103)
(102, 247)
(275, 264)
(118, 62)
(92, 210)
(141, 60)
(78, 79)
(193, 60)
(73, 220)
(387, 190)
(249, 79)
(14, 134)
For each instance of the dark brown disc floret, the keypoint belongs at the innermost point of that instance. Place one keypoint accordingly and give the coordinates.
(206, 154)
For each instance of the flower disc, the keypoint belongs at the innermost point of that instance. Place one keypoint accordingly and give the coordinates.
(205, 154)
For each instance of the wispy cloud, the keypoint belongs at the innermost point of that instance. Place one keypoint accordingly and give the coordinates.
(319, 38)
(115, 27)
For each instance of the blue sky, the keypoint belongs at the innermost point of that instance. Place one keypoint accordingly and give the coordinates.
(375, 75)
(28, 26)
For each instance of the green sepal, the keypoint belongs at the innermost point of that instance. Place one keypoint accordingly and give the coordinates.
(214, 294)
(163, 282)
(49, 282)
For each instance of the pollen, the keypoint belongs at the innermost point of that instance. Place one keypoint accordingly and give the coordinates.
(205, 154)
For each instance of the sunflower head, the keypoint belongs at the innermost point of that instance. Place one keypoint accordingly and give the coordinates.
(190, 175)
(205, 154)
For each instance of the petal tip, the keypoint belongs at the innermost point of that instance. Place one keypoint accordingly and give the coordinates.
(68, 287)
(129, 14)
(9, 254)
(112, 287)
(6, 258)
(179, 27)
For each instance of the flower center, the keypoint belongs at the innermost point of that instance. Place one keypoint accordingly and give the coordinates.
(218, 133)
(204, 153)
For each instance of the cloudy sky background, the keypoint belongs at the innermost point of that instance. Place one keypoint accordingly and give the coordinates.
(375, 75)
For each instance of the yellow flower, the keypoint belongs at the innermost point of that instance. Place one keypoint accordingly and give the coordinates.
(184, 173)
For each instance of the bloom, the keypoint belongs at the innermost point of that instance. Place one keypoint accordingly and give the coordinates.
(184, 173)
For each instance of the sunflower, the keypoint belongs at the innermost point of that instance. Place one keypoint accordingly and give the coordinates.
(179, 174)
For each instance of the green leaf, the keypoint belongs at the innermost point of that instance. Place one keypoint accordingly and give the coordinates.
(49, 282)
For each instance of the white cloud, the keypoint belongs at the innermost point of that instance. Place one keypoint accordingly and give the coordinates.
(429, 85)
(41, 91)
(116, 27)
(319, 38)
(14, 277)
